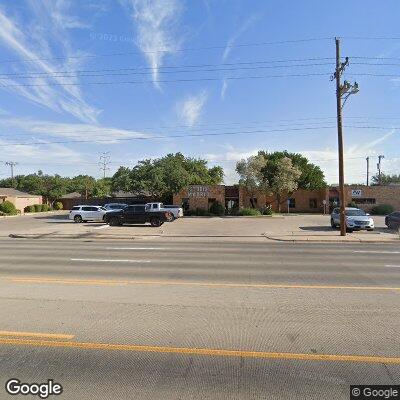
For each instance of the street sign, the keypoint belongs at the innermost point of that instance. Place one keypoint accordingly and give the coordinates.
(356, 193)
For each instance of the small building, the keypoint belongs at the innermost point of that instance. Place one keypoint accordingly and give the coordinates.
(237, 197)
(366, 197)
(19, 199)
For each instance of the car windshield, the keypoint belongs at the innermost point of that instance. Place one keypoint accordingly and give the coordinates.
(355, 213)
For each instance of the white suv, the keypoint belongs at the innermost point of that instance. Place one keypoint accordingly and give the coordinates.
(87, 213)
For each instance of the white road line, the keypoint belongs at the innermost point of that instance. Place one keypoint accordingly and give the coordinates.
(102, 227)
(104, 260)
(392, 266)
(376, 252)
(135, 248)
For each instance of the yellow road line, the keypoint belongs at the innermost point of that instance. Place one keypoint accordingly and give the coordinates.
(36, 334)
(206, 284)
(202, 351)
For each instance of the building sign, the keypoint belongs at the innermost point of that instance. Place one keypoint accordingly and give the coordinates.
(356, 193)
(198, 191)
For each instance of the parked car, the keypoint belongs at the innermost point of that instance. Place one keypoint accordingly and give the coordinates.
(87, 213)
(356, 219)
(136, 214)
(392, 220)
(176, 211)
(114, 206)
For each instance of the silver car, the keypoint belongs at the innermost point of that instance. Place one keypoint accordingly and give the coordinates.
(356, 219)
(87, 213)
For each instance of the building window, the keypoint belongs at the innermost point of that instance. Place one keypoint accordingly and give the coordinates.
(185, 204)
(211, 201)
(313, 203)
(253, 202)
(292, 203)
(360, 200)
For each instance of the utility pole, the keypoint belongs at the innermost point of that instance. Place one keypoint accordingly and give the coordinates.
(343, 91)
(367, 171)
(379, 169)
(11, 164)
(105, 161)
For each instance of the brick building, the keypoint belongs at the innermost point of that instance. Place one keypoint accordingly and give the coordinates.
(366, 197)
(236, 197)
(19, 199)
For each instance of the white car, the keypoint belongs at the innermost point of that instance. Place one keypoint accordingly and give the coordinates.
(356, 219)
(176, 211)
(87, 213)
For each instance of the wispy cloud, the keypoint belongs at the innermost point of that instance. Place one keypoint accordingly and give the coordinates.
(41, 45)
(190, 110)
(25, 129)
(156, 25)
(250, 21)
(239, 32)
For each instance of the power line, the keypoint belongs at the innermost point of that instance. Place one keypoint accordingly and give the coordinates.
(271, 131)
(238, 45)
(167, 80)
(105, 160)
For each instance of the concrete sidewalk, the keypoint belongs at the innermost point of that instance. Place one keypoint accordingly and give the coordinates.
(299, 228)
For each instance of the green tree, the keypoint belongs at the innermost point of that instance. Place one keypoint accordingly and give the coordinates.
(83, 184)
(251, 174)
(102, 188)
(167, 175)
(386, 179)
(121, 180)
(311, 178)
(284, 179)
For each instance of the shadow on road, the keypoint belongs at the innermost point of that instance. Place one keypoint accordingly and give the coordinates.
(317, 228)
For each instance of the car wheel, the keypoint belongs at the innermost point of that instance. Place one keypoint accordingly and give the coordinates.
(155, 222)
(333, 225)
(114, 222)
(370, 229)
(349, 230)
(78, 219)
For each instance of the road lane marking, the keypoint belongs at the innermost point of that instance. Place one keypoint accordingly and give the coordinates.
(392, 266)
(376, 252)
(102, 227)
(202, 351)
(135, 248)
(205, 284)
(111, 261)
(36, 334)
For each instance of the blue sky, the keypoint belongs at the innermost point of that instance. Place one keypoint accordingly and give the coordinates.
(61, 62)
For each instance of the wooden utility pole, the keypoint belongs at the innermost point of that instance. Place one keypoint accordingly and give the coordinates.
(367, 171)
(342, 196)
(343, 91)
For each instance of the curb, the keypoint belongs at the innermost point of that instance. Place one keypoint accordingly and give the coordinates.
(356, 240)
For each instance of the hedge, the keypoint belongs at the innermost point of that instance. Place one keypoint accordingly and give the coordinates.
(8, 208)
(382, 209)
(217, 208)
(249, 212)
(58, 205)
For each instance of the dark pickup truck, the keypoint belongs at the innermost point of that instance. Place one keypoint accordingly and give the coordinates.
(136, 214)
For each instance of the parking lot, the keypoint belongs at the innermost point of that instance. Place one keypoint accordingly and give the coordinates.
(279, 227)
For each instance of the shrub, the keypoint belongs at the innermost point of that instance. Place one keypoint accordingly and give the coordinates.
(29, 209)
(58, 205)
(8, 208)
(382, 209)
(352, 204)
(249, 212)
(45, 207)
(217, 208)
(38, 207)
(268, 211)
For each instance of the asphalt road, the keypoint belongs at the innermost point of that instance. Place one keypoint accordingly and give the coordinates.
(169, 320)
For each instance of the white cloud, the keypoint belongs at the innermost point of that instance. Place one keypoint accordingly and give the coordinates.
(232, 40)
(156, 25)
(43, 129)
(190, 110)
(40, 45)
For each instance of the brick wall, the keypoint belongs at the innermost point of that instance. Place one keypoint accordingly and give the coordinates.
(366, 194)
(199, 195)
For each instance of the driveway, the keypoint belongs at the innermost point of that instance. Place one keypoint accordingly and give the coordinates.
(252, 228)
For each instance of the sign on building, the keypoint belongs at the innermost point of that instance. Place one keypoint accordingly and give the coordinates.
(356, 193)
(198, 191)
